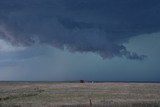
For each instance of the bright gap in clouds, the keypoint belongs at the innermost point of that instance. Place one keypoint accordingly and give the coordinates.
(8, 47)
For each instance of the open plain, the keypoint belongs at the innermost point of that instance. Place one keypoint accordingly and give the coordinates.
(51, 94)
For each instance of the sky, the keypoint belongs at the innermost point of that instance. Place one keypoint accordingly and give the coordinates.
(68, 40)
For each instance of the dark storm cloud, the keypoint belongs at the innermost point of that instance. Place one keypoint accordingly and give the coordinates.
(99, 26)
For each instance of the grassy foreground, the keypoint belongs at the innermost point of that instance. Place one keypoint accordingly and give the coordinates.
(51, 94)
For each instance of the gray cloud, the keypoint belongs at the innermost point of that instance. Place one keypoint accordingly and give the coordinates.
(85, 26)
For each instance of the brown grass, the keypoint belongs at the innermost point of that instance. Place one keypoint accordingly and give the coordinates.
(25, 94)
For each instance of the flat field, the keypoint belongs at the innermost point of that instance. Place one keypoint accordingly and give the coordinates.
(58, 94)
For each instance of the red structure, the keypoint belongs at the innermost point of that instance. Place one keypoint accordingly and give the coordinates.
(81, 81)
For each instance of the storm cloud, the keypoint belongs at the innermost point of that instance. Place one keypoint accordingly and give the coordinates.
(98, 26)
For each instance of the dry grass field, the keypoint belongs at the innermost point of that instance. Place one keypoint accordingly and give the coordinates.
(51, 94)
